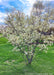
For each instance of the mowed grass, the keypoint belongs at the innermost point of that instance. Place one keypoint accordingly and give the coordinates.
(12, 63)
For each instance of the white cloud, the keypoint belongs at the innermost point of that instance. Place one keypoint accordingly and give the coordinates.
(2, 16)
(0, 0)
(1, 20)
(29, 4)
(31, 1)
(22, 1)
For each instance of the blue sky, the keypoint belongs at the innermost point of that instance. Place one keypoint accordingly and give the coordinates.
(26, 5)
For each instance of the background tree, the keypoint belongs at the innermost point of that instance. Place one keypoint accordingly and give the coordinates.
(38, 8)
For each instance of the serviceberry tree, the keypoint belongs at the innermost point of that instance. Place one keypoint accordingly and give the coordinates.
(27, 33)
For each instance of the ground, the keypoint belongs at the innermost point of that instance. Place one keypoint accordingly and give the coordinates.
(12, 63)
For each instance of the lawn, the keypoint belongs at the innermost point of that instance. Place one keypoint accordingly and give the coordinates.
(12, 63)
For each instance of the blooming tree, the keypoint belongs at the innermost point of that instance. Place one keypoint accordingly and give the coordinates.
(27, 33)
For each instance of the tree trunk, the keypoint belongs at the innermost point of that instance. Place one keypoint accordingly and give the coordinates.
(30, 60)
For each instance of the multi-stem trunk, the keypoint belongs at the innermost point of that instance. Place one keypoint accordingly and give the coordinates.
(30, 60)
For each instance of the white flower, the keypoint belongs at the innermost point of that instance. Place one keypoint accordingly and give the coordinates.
(25, 52)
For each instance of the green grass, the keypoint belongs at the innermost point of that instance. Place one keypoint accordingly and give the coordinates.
(3, 40)
(12, 63)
